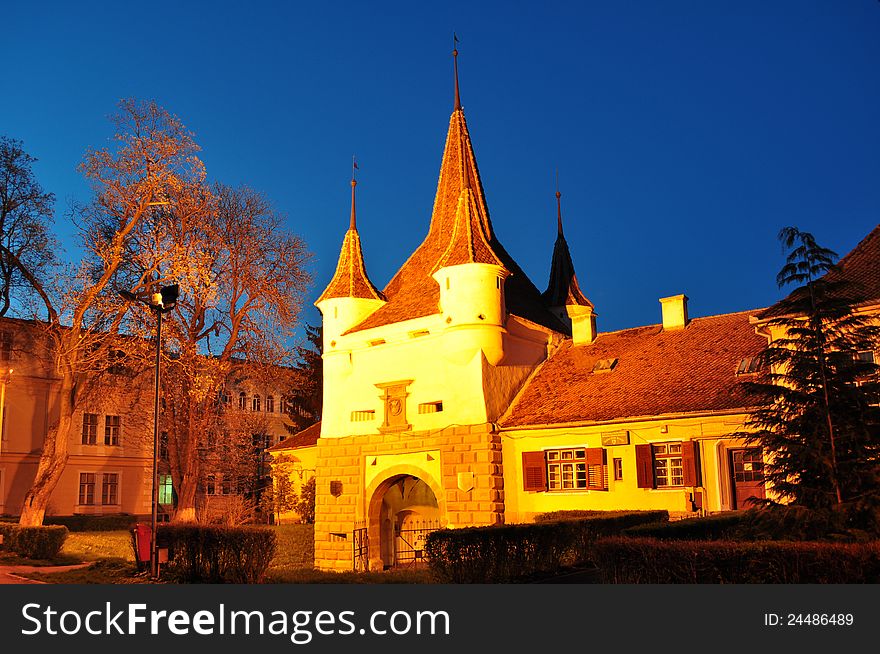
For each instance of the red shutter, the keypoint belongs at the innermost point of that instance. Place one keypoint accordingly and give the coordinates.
(690, 463)
(534, 471)
(644, 466)
(595, 460)
(595, 456)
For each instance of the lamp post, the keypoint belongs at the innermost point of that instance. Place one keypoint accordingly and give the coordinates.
(161, 302)
(3, 381)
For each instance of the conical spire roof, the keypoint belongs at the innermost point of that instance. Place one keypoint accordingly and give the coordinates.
(460, 232)
(350, 278)
(563, 289)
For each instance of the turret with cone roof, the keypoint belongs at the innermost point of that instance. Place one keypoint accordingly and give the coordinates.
(563, 294)
(350, 296)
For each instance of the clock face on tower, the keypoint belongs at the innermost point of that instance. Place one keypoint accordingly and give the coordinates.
(394, 399)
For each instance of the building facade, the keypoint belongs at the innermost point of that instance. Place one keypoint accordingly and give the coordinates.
(461, 395)
(109, 467)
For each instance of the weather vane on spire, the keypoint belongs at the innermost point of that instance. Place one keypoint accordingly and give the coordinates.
(457, 105)
(558, 205)
(354, 167)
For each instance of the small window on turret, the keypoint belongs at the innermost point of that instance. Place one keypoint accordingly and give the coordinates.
(378, 341)
(363, 416)
(497, 282)
(418, 333)
(447, 283)
(431, 407)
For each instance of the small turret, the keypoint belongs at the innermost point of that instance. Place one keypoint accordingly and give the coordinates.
(563, 295)
(350, 296)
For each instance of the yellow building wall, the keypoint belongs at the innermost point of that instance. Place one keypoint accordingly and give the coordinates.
(708, 432)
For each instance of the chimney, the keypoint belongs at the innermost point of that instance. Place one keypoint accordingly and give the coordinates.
(583, 324)
(675, 311)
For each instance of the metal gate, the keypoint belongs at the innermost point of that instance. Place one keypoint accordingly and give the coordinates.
(360, 542)
(409, 541)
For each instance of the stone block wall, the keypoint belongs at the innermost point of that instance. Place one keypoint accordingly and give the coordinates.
(340, 469)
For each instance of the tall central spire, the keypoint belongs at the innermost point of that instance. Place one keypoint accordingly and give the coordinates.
(558, 207)
(457, 105)
(353, 223)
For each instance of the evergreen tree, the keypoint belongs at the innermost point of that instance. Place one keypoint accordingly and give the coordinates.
(304, 400)
(816, 414)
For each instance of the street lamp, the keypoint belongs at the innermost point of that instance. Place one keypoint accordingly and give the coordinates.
(3, 381)
(161, 302)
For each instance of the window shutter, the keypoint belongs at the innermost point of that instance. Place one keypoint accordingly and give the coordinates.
(644, 466)
(534, 471)
(690, 463)
(595, 459)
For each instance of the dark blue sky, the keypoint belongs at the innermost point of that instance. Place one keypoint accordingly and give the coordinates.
(687, 133)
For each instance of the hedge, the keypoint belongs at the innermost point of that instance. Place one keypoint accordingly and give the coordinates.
(202, 554)
(722, 526)
(33, 542)
(626, 560)
(77, 523)
(508, 552)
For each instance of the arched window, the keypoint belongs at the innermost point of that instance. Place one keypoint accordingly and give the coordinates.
(242, 400)
(270, 404)
(257, 404)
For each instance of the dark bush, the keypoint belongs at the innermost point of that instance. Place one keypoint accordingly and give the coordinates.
(505, 553)
(231, 555)
(723, 526)
(799, 523)
(556, 516)
(33, 542)
(76, 523)
(625, 560)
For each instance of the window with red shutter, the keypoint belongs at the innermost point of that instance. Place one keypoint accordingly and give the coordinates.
(596, 475)
(644, 466)
(690, 463)
(534, 471)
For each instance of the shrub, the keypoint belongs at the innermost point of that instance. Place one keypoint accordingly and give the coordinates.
(799, 523)
(77, 523)
(504, 553)
(305, 505)
(206, 554)
(555, 516)
(33, 542)
(715, 527)
(624, 560)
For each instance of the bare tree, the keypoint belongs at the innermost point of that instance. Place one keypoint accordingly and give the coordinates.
(242, 279)
(26, 243)
(152, 160)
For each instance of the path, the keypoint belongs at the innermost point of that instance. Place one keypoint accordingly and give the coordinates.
(10, 574)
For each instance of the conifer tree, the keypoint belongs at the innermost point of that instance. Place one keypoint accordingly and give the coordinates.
(816, 415)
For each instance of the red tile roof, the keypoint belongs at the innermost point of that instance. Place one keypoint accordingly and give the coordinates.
(350, 278)
(308, 437)
(860, 267)
(412, 292)
(657, 372)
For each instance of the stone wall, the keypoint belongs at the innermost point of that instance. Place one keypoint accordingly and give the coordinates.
(341, 468)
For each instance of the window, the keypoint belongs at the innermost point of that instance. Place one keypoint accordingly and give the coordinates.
(225, 397)
(605, 365)
(748, 465)
(576, 469)
(431, 407)
(5, 346)
(378, 341)
(163, 445)
(363, 416)
(419, 333)
(90, 429)
(110, 488)
(210, 485)
(166, 490)
(116, 365)
(242, 400)
(270, 404)
(668, 465)
(86, 488)
(866, 356)
(749, 366)
(111, 430)
(618, 469)
(256, 404)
